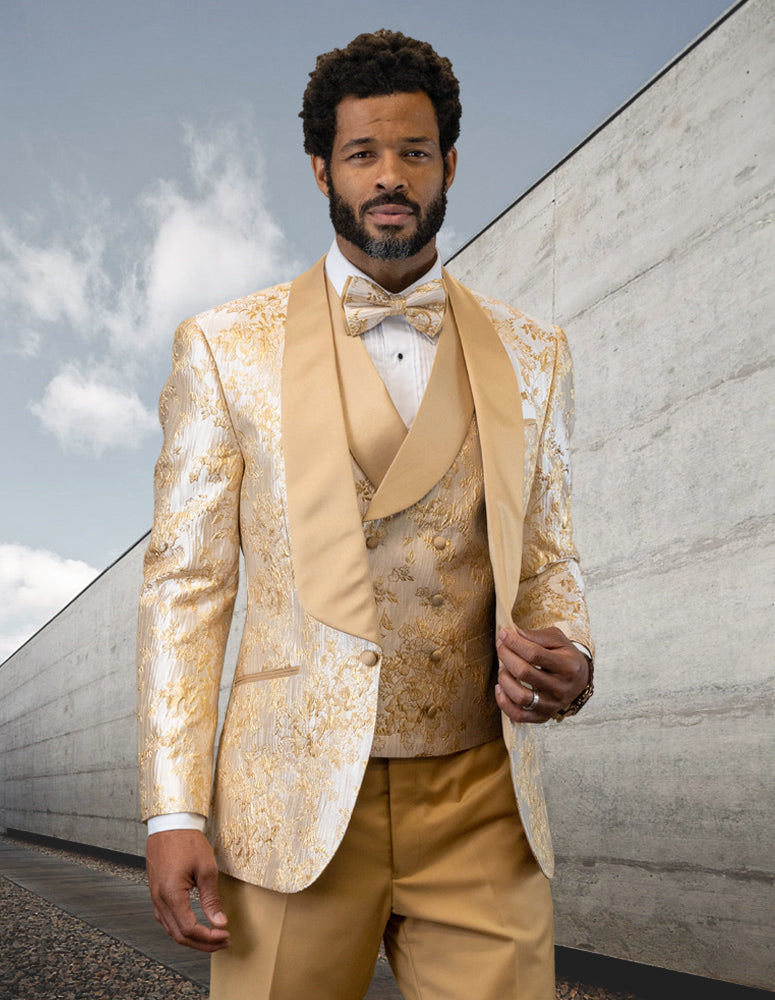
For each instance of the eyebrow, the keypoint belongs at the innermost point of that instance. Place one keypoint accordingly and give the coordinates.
(365, 140)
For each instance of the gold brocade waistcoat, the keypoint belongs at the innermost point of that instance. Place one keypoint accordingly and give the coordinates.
(433, 586)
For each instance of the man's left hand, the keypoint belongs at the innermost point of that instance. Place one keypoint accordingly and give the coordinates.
(556, 670)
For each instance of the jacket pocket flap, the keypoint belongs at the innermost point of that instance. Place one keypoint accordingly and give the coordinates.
(267, 675)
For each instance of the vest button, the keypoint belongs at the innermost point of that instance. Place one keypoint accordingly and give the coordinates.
(436, 656)
(372, 542)
(440, 542)
(437, 600)
(369, 658)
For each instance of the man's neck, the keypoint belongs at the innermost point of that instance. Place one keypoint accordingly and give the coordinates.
(392, 275)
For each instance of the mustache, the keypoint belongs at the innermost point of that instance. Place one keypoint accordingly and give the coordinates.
(390, 199)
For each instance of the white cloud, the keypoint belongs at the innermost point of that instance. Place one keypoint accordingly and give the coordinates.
(193, 244)
(218, 244)
(30, 343)
(51, 283)
(88, 413)
(34, 585)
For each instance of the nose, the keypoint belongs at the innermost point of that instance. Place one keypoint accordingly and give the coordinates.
(391, 175)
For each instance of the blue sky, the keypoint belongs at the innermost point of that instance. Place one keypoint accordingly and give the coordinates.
(152, 166)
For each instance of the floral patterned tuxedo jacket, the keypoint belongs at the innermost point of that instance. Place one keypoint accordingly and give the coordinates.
(256, 455)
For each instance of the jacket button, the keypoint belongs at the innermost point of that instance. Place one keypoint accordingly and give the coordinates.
(372, 542)
(369, 658)
(440, 542)
(436, 656)
(437, 600)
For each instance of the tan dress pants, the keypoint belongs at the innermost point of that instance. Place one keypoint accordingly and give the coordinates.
(436, 862)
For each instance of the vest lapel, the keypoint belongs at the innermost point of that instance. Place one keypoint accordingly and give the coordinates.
(437, 433)
(498, 405)
(375, 430)
(329, 556)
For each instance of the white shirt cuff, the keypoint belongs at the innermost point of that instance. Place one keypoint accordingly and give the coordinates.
(176, 821)
(583, 648)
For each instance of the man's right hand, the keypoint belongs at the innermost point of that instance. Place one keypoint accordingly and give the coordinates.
(177, 861)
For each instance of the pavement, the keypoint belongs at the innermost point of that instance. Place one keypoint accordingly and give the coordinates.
(113, 898)
(122, 909)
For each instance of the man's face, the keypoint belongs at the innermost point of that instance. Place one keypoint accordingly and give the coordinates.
(387, 180)
(390, 245)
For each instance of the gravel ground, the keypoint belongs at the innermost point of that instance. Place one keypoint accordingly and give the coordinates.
(49, 955)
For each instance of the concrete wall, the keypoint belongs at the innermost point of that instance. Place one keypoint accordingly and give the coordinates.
(68, 757)
(67, 710)
(653, 244)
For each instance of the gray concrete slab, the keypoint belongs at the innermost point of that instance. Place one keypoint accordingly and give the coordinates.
(123, 910)
(114, 905)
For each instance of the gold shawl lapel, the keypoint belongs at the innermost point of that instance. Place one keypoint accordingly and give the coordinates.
(375, 430)
(498, 406)
(329, 555)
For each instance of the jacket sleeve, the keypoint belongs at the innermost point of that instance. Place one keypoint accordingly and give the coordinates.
(191, 573)
(551, 590)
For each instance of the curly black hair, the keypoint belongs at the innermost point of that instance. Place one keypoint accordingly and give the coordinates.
(373, 65)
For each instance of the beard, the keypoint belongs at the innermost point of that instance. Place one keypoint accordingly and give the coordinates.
(351, 227)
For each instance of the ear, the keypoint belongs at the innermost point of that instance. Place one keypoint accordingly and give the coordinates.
(450, 162)
(320, 172)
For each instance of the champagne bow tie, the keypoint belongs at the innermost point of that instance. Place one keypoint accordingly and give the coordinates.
(366, 305)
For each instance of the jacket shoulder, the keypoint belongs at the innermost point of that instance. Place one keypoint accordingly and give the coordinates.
(266, 305)
(516, 328)
(538, 350)
(244, 325)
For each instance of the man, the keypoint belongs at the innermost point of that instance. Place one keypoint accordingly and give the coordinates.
(390, 451)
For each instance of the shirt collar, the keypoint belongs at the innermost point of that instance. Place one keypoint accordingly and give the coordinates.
(339, 269)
